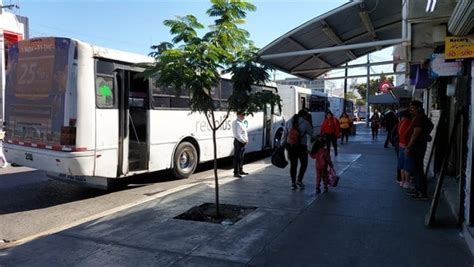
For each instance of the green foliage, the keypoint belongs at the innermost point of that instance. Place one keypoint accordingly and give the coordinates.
(194, 64)
(351, 95)
(360, 102)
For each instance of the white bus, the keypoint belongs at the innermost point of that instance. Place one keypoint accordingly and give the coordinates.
(295, 98)
(79, 113)
(336, 104)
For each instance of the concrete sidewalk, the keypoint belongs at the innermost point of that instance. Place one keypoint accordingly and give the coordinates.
(366, 221)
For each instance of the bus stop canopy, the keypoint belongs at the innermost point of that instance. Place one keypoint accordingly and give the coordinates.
(383, 99)
(397, 95)
(350, 31)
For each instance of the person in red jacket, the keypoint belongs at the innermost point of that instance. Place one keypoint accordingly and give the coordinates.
(330, 130)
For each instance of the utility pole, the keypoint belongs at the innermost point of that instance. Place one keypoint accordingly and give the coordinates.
(345, 90)
(367, 113)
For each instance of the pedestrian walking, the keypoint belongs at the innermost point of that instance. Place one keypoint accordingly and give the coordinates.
(375, 124)
(239, 131)
(345, 124)
(417, 137)
(323, 162)
(330, 130)
(295, 141)
(390, 120)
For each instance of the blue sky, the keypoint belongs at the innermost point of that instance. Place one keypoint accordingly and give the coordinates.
(136, 25)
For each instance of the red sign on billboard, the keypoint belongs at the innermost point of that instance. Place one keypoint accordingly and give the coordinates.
(385, 86)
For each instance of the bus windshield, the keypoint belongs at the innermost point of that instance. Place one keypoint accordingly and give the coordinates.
(35, 89)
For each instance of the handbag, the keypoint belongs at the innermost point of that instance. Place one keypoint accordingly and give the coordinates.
(278, 157)
(333, 178)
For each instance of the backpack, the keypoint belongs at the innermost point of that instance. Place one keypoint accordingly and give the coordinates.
(293, 137)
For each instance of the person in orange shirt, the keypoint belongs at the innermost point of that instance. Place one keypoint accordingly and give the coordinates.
(330, 129)
(345, 125)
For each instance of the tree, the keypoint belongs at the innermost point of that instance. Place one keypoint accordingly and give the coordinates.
(194, 64)
(351, 96)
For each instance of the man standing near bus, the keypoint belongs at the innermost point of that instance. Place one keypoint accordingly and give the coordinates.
(239, 130)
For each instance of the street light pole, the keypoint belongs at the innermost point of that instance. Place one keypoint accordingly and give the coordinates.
(345, 90)
(367, 113)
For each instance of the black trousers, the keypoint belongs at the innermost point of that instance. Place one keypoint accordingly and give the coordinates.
(421, 182)
(295, 153)
(389, 136)
(239, 150)
(397, 150)
(375, 132)
(345, 134)
(331, 138)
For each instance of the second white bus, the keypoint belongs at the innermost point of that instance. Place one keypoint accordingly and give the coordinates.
(295, 98)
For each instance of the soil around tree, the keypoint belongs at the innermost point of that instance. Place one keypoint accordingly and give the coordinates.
(229, 214)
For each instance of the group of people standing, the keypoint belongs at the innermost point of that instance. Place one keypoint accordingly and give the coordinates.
(413, 130)
(409, 134)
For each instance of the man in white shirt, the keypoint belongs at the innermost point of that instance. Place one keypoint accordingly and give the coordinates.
(239, 131)
(3, 160)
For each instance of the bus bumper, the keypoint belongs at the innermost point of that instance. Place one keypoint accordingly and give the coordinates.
(69, 163)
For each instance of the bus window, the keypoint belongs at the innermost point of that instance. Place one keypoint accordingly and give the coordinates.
(302, 101)
(179, 102)
(226, 89)
(105, 67)
(161, 102)
(317, 104)
(138, 91)
(104, 91)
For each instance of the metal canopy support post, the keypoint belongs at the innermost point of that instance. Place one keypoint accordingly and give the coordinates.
(406, 36)
(345, 90)
(2, 75)
(367, 112)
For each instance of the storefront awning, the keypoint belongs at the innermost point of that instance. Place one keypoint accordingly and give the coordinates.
(336, 37)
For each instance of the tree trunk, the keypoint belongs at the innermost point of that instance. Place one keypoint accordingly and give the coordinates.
(216, 178)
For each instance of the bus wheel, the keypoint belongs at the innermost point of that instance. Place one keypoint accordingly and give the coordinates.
(184, 160)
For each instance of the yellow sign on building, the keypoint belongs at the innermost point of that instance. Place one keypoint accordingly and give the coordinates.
(459, 47)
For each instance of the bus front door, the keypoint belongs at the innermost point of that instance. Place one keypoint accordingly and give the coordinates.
(123, 84)
(133, 122)
(267, 126)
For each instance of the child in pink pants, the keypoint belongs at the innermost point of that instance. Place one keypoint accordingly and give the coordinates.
(323, 160)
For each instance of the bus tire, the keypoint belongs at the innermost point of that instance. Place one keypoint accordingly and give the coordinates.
(185, 160)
